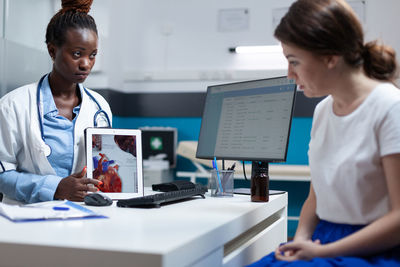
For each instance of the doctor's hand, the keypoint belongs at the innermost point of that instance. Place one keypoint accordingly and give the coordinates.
(75, 186)
(299, 250)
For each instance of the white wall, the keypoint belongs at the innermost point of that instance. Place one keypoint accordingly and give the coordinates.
(165, 45)
(27, 21)
(382, 20)
(1, 18)
(175, 45)
(183, 34)
(23, 53)
(2, 78)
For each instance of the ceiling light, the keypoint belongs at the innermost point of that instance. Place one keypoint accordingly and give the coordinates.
(256, 49)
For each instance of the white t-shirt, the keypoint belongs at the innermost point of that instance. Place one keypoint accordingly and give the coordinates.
(345, 157)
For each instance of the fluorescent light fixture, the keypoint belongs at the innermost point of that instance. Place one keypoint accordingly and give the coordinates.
(256, 49)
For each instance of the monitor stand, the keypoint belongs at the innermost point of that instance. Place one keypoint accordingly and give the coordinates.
(259, 185)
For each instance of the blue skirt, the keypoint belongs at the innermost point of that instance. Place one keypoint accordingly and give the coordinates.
(328, 232)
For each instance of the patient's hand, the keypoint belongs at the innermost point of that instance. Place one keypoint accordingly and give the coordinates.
(75, 186)
(298, 250)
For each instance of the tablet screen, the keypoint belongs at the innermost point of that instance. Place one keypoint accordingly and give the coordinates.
(114, 157)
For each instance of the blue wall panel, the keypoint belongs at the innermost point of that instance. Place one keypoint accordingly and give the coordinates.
(189, 128)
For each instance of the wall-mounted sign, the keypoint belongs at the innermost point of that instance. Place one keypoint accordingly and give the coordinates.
(233, 20)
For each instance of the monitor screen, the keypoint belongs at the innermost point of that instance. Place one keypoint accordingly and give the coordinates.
(247, 120)
(159, 142)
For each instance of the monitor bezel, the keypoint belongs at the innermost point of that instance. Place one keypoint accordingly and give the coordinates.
(209, 88)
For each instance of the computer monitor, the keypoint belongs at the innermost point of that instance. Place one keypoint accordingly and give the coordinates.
(247, 121)
(159, 141)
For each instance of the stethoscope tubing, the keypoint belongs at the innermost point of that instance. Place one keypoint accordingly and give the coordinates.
(100, 111)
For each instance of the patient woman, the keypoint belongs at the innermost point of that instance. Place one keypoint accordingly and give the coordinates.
(352, 214)
(42, 147)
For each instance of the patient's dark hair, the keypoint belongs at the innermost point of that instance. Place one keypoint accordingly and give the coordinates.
(73, 14)
(330, 27)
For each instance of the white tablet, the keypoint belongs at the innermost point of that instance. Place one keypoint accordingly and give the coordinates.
(114, 156)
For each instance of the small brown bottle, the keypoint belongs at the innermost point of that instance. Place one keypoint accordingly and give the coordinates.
(259, 182)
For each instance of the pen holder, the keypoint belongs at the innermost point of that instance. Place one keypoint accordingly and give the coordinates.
(221, 183)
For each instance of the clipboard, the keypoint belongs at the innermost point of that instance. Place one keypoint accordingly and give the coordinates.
(49, 210)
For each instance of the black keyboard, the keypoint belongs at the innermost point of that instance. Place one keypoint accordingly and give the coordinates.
(162, 198)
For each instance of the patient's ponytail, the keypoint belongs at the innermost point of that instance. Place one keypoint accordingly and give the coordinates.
(379, 61)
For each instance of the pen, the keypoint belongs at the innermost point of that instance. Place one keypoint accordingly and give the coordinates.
(60, 208)
(215, 165)
(226, 176)
(232, 167)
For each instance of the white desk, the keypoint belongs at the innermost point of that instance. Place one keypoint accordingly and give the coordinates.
(200, 232)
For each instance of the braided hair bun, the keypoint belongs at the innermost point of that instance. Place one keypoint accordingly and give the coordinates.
(82, 6)
(73, 14)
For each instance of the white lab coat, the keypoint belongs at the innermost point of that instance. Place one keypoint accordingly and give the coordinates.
(21, 144)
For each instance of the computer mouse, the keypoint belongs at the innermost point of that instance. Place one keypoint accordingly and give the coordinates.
(96, 199)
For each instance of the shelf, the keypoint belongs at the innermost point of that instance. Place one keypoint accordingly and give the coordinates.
(277, 172)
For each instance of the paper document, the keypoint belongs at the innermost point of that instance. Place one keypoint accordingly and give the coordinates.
(49, 210)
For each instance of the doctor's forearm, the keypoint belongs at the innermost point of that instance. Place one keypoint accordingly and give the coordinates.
(28, 187)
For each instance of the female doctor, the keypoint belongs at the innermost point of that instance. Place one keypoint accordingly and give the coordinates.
(42, 153)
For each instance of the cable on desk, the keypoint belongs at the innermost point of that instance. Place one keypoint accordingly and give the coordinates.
(244, 171)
